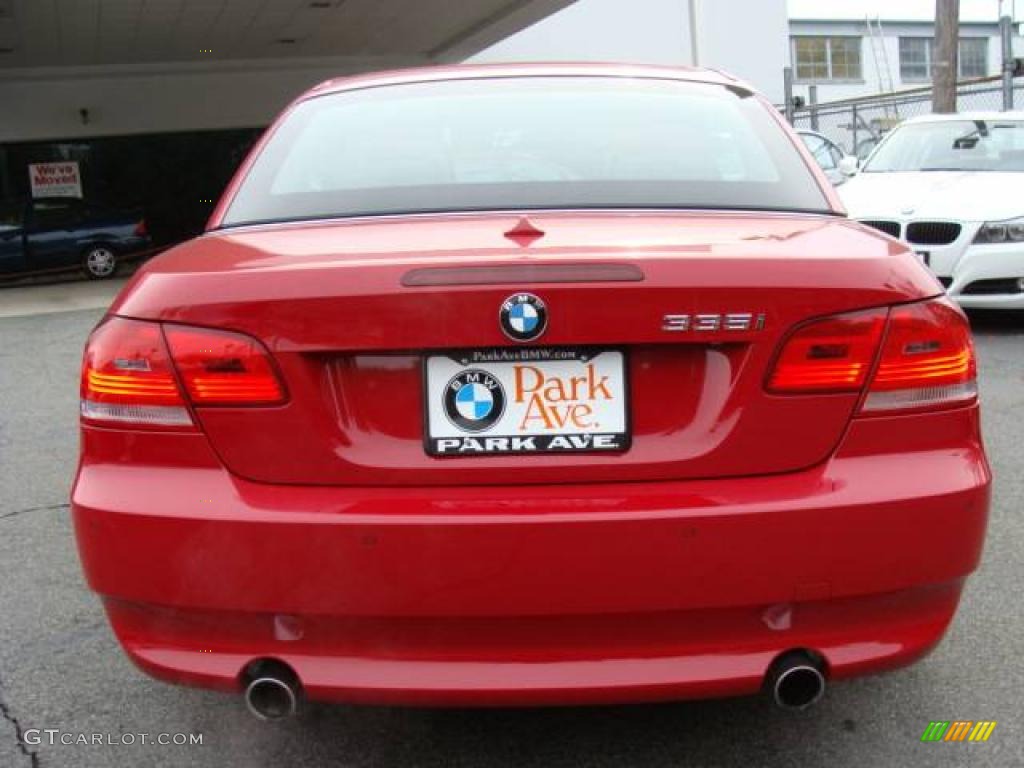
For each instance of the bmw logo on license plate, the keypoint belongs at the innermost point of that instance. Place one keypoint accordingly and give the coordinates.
(474, 400)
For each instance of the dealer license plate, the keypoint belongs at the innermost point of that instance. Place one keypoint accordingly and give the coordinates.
(534, 400)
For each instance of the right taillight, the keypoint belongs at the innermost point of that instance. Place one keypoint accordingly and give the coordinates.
(833, 354)
(927, 359)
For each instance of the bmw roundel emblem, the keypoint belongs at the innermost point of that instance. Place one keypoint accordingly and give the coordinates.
(474, 400)
(523, 317)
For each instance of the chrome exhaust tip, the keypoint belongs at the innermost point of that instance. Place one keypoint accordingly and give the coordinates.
(796, 680)
(273, 690)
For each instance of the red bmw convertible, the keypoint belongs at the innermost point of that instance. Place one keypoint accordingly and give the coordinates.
(534, 384)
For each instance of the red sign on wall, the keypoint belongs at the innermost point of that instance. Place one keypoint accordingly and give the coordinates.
(55, 179)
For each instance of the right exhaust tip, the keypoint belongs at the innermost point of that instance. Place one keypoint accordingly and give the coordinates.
(270, 698)
(796, 680)
(272, 691)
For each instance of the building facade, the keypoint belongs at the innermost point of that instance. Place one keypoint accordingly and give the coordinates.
(853, 49)
(155, 102)
(847, 48)
(844, 59)
(746, 38)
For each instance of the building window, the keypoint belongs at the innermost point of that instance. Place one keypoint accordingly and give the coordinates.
(973, 57)
(827, 58)
(916, 58)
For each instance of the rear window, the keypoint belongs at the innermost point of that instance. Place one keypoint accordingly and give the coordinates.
(531, 142)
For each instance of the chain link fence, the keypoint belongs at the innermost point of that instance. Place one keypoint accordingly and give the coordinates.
(856, 125)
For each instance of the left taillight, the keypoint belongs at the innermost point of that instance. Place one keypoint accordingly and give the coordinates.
(136, 373)
(223, 367)
(127, 377)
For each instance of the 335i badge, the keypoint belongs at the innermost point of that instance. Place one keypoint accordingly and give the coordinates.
(526, 400)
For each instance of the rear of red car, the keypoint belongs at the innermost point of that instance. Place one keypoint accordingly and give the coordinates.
(454, 407)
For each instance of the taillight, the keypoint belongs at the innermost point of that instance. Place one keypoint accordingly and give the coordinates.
(127, 377)
(223, 368)
(927, 359)
(131, 372)
(833, 354)
(141, 230)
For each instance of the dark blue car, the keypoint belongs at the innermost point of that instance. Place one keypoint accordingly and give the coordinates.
(52, 234)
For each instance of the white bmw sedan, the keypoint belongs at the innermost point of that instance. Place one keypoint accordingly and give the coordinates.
(952, 186)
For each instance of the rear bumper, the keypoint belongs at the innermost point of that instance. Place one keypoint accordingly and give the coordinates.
(699, 653)
(537, 594)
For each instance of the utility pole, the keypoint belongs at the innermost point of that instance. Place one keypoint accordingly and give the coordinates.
(1006, 36)
(787, 91)
(944, 55)
(694, 15)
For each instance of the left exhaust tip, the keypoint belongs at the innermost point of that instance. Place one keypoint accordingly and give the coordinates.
(796, 680)
(273, 690)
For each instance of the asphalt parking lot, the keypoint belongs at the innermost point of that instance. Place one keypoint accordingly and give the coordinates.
(60, 667)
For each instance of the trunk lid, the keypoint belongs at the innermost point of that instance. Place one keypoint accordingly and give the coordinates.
(350, 309)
